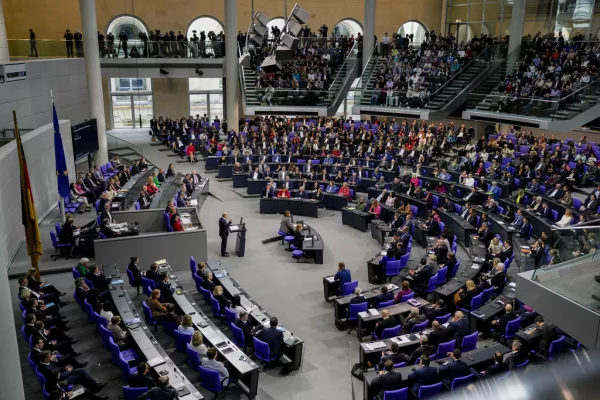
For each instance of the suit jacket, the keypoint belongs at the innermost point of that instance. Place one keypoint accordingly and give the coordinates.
(433, 313)
(455, 369)
(154, 275)
(358, 299)
(245, 328)
(159, 393)
(273, 337)
(389, 322)
(408, 323)
(421, 278)
(426, 375)
(391, 380)
(269, 194)
(515, 358)
(135, 270)
(224, 227)
(458, 329)
(107, 215)
(166, 292)
(500, 326)
(208, 285)
(99, 281)
(418, 352)
(543, 336)
(495, 370)
(286, 225)
(524, 231)
(382, 298)
(544, 212)
(139, 381)
(487, 238)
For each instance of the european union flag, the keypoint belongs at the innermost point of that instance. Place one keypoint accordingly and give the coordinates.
(62, 174)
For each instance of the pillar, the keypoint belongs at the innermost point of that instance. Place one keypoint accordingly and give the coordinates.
(516, 25)
(4, 56)
(442, 31)
(93, 75)
(11, 381)
(231, 64)
(368, 31)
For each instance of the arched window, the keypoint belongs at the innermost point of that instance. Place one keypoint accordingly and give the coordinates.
(278, 22)
(347, 27)
(206, 24)
(131, 25)
(415, 28)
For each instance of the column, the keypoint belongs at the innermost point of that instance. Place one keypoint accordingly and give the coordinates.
(11, 381)
(444, 17)
(516, 25)
(93, 75)
(368, 31)
(4, 56)
(231, 65)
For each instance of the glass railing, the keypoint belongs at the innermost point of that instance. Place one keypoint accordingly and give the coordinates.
(548, 107)
(114, 144)
(364, 79)
(23, 48)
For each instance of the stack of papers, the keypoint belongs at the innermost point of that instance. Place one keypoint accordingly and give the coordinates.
(363, 314)
(374, 311)
(193, 202)
(330, 279)
(378, 345)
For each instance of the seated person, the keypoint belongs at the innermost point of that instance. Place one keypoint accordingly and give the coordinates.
(497, 368)
(387, 380)
(375, 209)
(159, 310)
(220, 297)
(465, 296)
(385, 323)
(383, 297)
(358, 298)
(436, 310)
(405, 291)
(345, 191)
(187, 326)
(163, 391)
(143, 378)
(342, 275)
(283, 193)
(425, 375)
(268, 191)
(198, 345)
(331, 188)
(414, 318)
(455, 368)
(272, 336)
(72, 376)
(393, 354)
(166, 291)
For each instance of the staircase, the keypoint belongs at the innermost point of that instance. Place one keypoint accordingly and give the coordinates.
(378, 62)
(250, 89)
(485, 96)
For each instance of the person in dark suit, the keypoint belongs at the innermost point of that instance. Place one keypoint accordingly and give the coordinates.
(386, 322)
(484, 235)
(358, 298)
(181, 200)
(152, 273)
(383, 297)
(423, 376)
(517, 356)
(54, 374)
(37, 353)
(98, 279)
(413, 319)
(136, 271)
(144, 200)
(436, 310)
(298, 237)
(208, 284)
(166, 291)
(273, 337)
(499, 324)
(387, 380)
(424, 349)
(542, 336)
(242, 322)
(421, 278)
(439, 334)
(524, 230)
(164, 391)
(495, 369)
(223, 233)
(392, 354)
(458, 328)
(467, 295)
(106, 213)
(107, 231)
(189, 187)
(268, 192)
(142, 378)
(456, 368)
(301, 194)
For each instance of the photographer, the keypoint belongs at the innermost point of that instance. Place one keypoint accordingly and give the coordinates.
(101, 47)
(123, 42)
(144, 38)
(78, 44)
(110, 39)
(68, 36)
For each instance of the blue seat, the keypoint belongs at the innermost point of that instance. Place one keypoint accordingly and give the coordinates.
(193, 265)
(419, 327)
(216, 308)
(238, 337)
(462, 381)
(148, 314)
(130, 393)
(89, 310)
(523, 365)
(263, 352)
(25, 335)
(442, 275)
(400, 394)
(75, 273)
(130, 277)
(455, 269)
(31, 362)
(404, 259)
(148, 283)
(197, 280)
(193, 358)
(457, 208)
(169, 327)
(210, 380)
(353, 311)
(206, 294)
(385, 304)
(62, 248)
(486, 295)
(389, 332)
(100, 321)
(348, 288)
(511, 328)
(430, 391)
(407, 297)
(181, 339)
(469, 342)
(475, 304)
(78, 301)
(556, 347)
(88, 283)
(105, 334)
(445, 348)
(442, 319)
(392, 268)
(126, 370)
(432, 283)
(230, 316)
(554, 215)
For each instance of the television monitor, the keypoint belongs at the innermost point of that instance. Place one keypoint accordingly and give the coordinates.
(85, 138)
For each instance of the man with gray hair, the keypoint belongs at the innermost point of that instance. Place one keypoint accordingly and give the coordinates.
(164, 391)
(224, 233)
(458, 328)
(413, 318)
(516, 357)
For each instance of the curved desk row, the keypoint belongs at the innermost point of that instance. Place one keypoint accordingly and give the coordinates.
(168, 189)
(129, 192)
(245, 369)
(293, 346)
(148, 346)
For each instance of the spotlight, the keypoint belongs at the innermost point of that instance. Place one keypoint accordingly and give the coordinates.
(163, 72)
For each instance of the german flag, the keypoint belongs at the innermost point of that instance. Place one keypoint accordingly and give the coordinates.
(28, 215)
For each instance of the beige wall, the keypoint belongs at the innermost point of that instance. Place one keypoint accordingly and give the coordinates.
(171, 97)
(50, 18)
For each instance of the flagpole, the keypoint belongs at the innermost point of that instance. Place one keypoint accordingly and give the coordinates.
(61, 200)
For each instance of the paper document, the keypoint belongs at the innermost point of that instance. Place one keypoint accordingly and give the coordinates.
(193, 202)
(367, 346)
(363, 314)
(475, 266)
(234, 227)
(384, 252)
(512, 284)
(161, 262)
(378, 345)
(373, 311)
(330, 279)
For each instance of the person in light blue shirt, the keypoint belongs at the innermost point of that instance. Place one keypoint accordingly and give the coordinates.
(332, 188)
(186, 325)
(211, 363)
(495, 190)
(343, 275)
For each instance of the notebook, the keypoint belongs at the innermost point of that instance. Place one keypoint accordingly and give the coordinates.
(118, 282)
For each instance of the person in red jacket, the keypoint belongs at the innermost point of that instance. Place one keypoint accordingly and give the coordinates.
(190, 151)
(345, 191)
(283, 193)
(177, 226)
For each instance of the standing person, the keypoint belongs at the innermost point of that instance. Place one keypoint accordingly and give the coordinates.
(110, 40)
(223, 233)
(78, 44)
(136, 271)
(101, 47)
(385, 45)
(32, 44)
(123, 40)
(68, 36)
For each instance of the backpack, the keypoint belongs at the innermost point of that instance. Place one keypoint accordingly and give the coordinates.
(358, 370)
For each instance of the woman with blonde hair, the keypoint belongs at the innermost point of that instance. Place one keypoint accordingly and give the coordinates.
(465, 296)
(220, 297)
(495, 246)
(187, 326)
(198, 345)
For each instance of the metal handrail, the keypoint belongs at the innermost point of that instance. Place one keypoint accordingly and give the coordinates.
(134, 147)
(463, 69)
(242, 76)
(343, 64)
(362, 73)
(518, 49)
